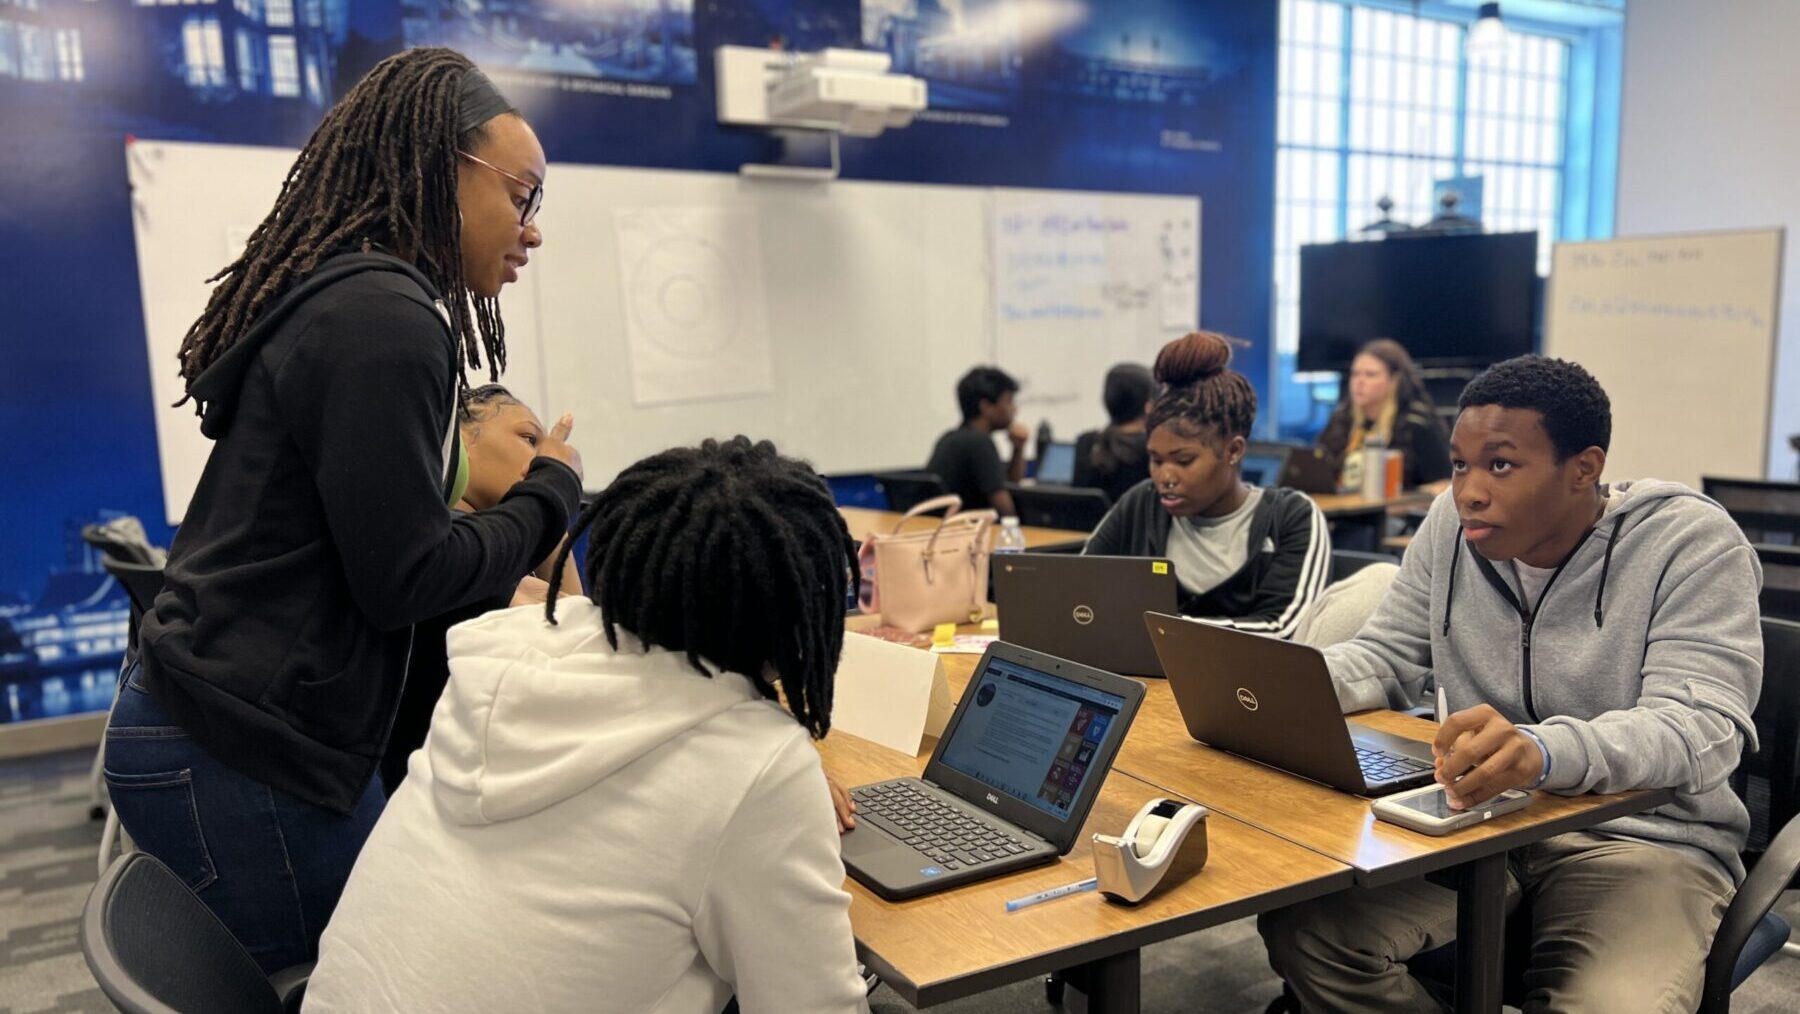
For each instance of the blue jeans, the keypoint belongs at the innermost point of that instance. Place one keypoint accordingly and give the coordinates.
(270, 866)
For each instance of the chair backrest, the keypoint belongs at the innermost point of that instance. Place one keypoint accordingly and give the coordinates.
(1769, 780)
(1781, 581)
(906, 490)
(1766, 511)
(1072, 508)
(1345, 562)
(155, 948)
(1754, 900)
(141, 582)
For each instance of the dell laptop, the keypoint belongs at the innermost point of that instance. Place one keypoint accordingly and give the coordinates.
(1310, 470)
(1056, 465)
(1009, 785)
(1272, 701)
(1089, 609)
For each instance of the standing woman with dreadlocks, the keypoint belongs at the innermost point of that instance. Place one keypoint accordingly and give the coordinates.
(326, 369)
(612, 785)
(1247, 557)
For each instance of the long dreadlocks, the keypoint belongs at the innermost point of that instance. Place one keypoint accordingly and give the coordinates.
(728, 552)
(380, 170)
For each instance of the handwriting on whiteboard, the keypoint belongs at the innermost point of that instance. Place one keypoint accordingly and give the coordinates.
(1625, 306)
(1628, 259)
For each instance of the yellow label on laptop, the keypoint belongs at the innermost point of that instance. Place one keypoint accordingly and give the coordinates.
(1159, 567)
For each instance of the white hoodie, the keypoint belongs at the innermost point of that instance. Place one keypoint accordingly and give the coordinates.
(591, 830)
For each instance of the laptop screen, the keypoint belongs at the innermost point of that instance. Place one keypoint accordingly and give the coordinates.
(1032, 735)
(1057, 465)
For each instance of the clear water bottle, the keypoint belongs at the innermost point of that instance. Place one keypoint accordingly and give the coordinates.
(1012, 537)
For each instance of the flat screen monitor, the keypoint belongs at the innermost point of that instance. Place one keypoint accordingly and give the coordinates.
(1467, 300)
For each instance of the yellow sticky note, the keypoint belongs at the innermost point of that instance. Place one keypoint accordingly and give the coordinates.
(990, 626)
(944, 635)
(1159, 567)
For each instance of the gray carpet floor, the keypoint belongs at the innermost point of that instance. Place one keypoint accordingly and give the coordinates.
(48, 845)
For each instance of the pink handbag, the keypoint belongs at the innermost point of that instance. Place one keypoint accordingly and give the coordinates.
(925, 578)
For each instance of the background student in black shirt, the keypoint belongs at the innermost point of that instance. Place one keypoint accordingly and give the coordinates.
(1115, 459)
(1386, 401)
(965, 457)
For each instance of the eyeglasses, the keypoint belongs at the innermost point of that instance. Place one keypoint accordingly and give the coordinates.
(533, 201)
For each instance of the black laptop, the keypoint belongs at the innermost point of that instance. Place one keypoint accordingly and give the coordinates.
(1089, 609)
(1010, 784)
(1272, 701)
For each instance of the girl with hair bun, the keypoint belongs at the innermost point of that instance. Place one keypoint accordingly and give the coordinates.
(1247, 557)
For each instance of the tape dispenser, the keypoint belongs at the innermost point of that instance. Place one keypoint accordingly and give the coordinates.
(1167, 837)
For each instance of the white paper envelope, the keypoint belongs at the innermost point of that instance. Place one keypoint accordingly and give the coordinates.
(890, 694)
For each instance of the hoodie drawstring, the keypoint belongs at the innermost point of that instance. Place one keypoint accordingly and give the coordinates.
(1605, 565)
(1450, 595)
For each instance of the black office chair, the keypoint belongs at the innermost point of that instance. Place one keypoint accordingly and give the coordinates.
(1768, 512)
(906, 490)
(1071, 508)
(155, 948)
(1781, 581)
(141, 581)
(1345, 562)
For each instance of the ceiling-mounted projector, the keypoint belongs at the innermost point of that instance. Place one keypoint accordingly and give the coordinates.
(847, 91)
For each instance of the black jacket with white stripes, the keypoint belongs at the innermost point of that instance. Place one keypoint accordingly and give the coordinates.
(1275, 586)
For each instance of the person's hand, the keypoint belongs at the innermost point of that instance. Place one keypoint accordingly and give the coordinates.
(1480, 755)
(531, 591)
(843, 804)
(1018, 433)
(556, 444)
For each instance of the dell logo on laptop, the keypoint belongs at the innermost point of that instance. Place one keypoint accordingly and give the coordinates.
(1084, 615)
(992, 798)
(1246, 698)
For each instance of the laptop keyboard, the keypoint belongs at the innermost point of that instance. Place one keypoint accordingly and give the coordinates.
(946, 835)
(1378, 766)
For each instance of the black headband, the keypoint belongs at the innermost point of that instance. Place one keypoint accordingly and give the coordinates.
(481, 101)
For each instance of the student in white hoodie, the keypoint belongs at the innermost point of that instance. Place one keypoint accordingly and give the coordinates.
(612, 810)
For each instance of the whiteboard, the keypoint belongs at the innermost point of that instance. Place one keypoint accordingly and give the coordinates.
(876, 297)
(1680, 331)
(1083, 281)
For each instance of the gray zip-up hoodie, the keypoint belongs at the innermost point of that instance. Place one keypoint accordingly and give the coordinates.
(1639, 669)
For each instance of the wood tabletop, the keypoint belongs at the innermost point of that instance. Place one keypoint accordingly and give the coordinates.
(963, 941)
(1337, 824)
(864, 521)
(1336, 504)
(1158, 750)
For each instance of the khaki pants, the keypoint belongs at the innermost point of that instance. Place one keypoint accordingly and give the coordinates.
(1615, 926)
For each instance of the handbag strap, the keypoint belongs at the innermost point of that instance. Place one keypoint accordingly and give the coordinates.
(949, 503)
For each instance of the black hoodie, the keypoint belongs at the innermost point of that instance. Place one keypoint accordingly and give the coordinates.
(319, 533)
(1288, 564)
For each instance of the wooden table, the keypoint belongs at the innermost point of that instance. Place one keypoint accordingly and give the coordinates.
(1340, 826)
(864, 521)
(1159, 750)
(960, 942)
(1358, 523)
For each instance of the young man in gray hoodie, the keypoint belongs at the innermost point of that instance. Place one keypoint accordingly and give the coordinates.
(1590, 638)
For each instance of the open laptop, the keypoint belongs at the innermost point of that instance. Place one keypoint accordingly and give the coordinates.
(1273, 702)
(1009, 785)
(1056, 464)
(1089, 609)
(1309, 470)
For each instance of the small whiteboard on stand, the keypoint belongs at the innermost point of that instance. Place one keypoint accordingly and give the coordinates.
(1681, 332)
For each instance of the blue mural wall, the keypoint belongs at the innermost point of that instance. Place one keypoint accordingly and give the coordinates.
(1156, 96)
